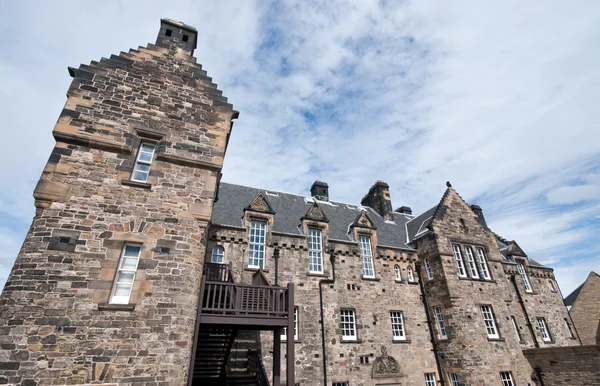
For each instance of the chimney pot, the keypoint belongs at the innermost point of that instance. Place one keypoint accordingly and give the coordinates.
(404, 210)
(379, 199)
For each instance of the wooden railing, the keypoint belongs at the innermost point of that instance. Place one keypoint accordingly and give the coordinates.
(218, 272)
(256, 366)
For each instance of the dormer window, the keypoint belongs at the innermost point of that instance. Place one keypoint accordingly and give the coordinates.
(315, 250)
(256, 245)
(366, 253)
(524, 277)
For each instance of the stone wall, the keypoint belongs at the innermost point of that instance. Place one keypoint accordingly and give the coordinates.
(56, 325)
(586, 311)
(559, 366)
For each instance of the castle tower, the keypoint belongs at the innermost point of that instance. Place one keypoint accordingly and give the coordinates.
(105, 288)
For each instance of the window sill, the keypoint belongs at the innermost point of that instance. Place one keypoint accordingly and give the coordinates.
(351, 341)
(370, 278)
(412, 282)
(401, 341)
(548, 341)
(496, 339)
(316, 274)
(477, 279)
(116, 307)
(250, 269)
(295, 341)
(136, 184)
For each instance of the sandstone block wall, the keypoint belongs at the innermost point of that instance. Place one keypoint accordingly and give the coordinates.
(586, 311)
(56, 326)
(559, 366)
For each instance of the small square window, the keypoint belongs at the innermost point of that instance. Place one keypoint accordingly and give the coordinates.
(168, 32)
(185, 38)
(340, 384)
(64, 240)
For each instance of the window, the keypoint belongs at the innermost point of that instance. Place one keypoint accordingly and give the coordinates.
(143, 162)
(284, 330)
(552, 285)
(256, 249)
(439, 321)
(544, 330)
(340, 384)
(568, 325)
(471, 262)
(483, 264)
(506, 378)
(459, 260)
(398, 332)
(315, 251)
(125, 274)
(409, 273)
(348, 324)
(430, 379)
(453, 379)
(516, 327)
(218, 253)
(428, 269)
(397, 272)
(367, 256)
(490, 323)
(523, 274)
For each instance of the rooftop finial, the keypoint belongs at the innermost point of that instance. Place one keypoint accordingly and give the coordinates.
(448, 184)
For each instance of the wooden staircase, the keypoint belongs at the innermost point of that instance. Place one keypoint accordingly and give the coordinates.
(212, 354)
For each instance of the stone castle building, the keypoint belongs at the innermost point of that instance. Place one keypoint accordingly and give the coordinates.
(142, 268)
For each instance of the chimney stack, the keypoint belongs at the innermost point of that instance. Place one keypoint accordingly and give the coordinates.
(320, 190)
(404, 210)
(378, 198)
(479, 212)
(177, 34)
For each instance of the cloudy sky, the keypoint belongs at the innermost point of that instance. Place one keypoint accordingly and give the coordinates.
(500, 98)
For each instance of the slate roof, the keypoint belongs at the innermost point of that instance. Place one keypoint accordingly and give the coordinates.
(289, 209)
(418, 225)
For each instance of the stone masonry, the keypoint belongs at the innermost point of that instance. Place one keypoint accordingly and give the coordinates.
(585, 310)
(57, 324)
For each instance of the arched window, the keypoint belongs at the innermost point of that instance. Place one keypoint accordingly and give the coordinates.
(218, 253)
(397, 272)
(409, 272)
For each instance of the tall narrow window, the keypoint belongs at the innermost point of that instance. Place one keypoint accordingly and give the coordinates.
(544, 330)
(256, 247)
(552, 285)
(523, 274)
(348, 324)
(315, 250)
(569, 329)
(125, 274)
(409, 273)
(471, 262)
(367, 256)
(516, 327)
(483, 264)
(284, 330)
(430, 379)
(490, 322)
(453, 379)
(218, 254)
(398, 332)
(459, 260)
(397, 273)
(506, 378)
(439, 321)
(428, 269)
(141, 170)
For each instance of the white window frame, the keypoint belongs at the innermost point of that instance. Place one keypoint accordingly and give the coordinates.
(506, 378)
(410, 274)
(141, 163)
(439, 322)
(428, 269)
(397, 273)
(125, 270)
(217, 255)
(524, 277)
(459, 260)
(296, 327)
(315, 250)
(552, 285)
(485, 271)
(257, 244)
(398, 329)
(471, 262)
(487, 312)
(516, 327)
(544, 331)
(366, 252)
(430, 379)
(453, 377)
(348, 324)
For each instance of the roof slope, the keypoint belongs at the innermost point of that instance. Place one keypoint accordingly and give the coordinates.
(290, 208)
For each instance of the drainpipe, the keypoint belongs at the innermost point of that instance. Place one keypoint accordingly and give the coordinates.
(276, 257)
(325, 281)
(513, 278)
(434, 342)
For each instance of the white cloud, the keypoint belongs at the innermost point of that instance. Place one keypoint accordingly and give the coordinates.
(497, 97)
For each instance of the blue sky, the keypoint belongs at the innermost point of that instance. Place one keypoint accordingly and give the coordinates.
(500, 98)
